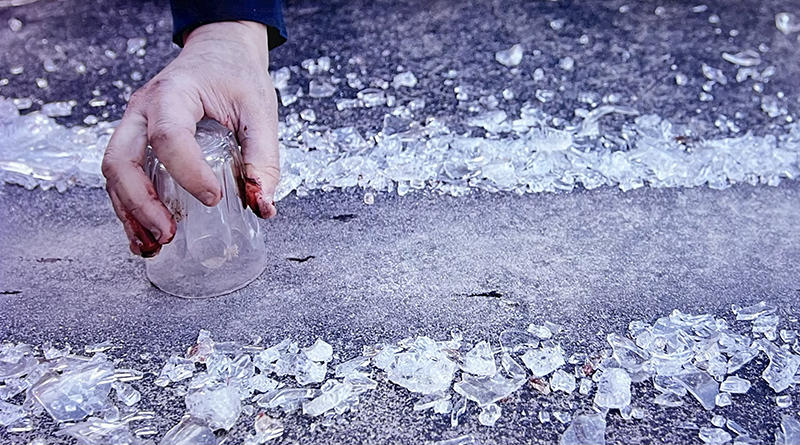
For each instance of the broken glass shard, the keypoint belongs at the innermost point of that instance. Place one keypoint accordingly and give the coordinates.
(613, 389)
(217, 404)
(10, 413)
(784, 401)
(735, 385)
(668, 399)
(714, 436)
(745, 58)
(318, 89)
(96, 431)
(752, 312)
(562, 381)
(190, 431)
(544, 361)
(489, 414)
(479, 360)
(404, 79)
(16, 360)
(782, 367)
(585, 429)
(510, 57)
(460, 440)
(789, 432)
(175, 370)
(58, 109)
(787, 23)
(77, 392)
(333, 395)
(723, 399)
(424, 368)
(319, 351)
(701, 385)
(562, 416)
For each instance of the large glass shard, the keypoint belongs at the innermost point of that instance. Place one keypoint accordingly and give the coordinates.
(562, 381)
(585, 429)
(96, 431)
(754, 311)
(319, 351)
(190, 431)
(424, 368)
(479, 360)
(10, 413)
(76, 393)
(629, 356)
(701, 385)
(544, 361)
(789, 433)
(487, 390)
(783, 365)
(16, 360)
(218, 405)
(613, 389)
(334, 395)
(289, 399)
(735, 385)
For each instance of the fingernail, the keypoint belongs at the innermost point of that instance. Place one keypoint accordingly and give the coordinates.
(209, 198)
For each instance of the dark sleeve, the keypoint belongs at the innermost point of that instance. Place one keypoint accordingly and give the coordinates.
(189, 14)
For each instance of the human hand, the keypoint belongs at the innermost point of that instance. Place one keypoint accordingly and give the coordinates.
(221, 73)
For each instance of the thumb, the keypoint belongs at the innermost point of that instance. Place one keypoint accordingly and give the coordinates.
(258, 135)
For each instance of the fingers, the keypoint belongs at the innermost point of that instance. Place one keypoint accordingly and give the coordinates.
(171, 124)
(258, 134)
(147, 222)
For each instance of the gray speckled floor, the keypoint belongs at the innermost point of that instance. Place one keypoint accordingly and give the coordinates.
(406, 266)
(590, 261)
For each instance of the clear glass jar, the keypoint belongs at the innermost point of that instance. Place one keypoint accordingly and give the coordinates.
(216, 250)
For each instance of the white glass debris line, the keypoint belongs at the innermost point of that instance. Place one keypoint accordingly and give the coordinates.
(689, 359)
(521, 154)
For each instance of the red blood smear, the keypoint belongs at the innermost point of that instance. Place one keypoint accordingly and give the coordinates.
(145, 240)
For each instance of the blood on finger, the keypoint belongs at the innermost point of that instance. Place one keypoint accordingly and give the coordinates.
(144, 239)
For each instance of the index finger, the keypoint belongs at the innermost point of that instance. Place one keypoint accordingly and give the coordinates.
(171, 125)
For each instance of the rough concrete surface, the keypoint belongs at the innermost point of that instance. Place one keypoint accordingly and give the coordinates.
(413, 265)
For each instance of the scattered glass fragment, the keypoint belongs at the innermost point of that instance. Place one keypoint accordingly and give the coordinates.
(510, 57)
(735, 385)
(613, 389)
(784, 401)
(714, 436)
(58, 109)
(544, 361)
(318, 89)
(460, 440)
(585, 429)
(189, 431)
(489, 414)
(746, 58)
(787, 23)
(404, 79)
(562, 381)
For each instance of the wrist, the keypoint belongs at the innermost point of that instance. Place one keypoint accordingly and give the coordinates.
(251, 34)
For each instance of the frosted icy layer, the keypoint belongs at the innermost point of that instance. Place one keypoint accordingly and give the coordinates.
(516, 154)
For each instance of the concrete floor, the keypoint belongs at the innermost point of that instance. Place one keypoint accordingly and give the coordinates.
(590, 261)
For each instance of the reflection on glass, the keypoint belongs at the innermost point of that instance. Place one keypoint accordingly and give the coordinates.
(216, 250)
